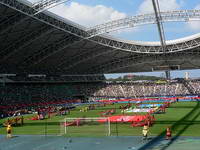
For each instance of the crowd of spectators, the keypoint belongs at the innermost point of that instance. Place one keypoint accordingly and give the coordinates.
(14, 94)
(129, 90)
(141, 90)
(195, 86)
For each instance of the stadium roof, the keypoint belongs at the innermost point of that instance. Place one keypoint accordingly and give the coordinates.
(40, 44)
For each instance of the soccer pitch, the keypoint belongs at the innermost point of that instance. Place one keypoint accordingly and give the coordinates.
(182, 117)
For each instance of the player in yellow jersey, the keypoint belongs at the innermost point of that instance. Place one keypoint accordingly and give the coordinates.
(145, 131)
(9, 131)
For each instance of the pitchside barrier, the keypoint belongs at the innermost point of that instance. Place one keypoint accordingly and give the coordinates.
(155, 99)
(35, 127)
(85, 127)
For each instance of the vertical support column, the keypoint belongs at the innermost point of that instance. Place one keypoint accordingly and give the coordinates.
(159, 23)
(167, 74)
(109, 131)
(65, 121)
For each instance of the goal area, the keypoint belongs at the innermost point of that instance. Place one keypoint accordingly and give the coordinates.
(85, 127)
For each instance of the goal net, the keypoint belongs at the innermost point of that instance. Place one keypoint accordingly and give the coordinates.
(85, 127)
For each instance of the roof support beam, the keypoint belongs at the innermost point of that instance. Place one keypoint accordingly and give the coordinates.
(161, 31)
(11, 23)
(24, 41)
(85, 57)
(183, 15)
(3, 14)
(113, 66)
(159, 23)
(50, 50)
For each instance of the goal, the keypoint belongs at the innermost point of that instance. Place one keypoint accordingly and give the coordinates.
(85, 127)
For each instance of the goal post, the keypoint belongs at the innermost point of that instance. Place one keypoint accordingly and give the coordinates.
(99, 126)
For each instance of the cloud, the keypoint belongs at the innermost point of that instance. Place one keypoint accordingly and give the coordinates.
(194, 25)
(165, 5)
(34, 1)
(87, 15)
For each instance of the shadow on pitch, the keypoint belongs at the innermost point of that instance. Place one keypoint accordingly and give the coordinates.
(191, 116)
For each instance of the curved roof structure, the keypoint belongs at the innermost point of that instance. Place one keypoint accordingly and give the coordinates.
(45, 43)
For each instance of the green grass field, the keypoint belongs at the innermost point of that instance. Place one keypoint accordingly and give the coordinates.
(182, 117)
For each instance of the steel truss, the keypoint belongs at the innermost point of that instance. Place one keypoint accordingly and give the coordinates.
(129, 22)
(91, 34)
(43, 5)
(110, 67)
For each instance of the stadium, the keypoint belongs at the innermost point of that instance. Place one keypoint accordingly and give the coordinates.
(54, 93)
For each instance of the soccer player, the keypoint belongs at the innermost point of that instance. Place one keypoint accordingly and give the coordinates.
(9, 130)
(145, 131)
(168, 133)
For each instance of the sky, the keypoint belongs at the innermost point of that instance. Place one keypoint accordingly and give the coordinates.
(93, 12)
